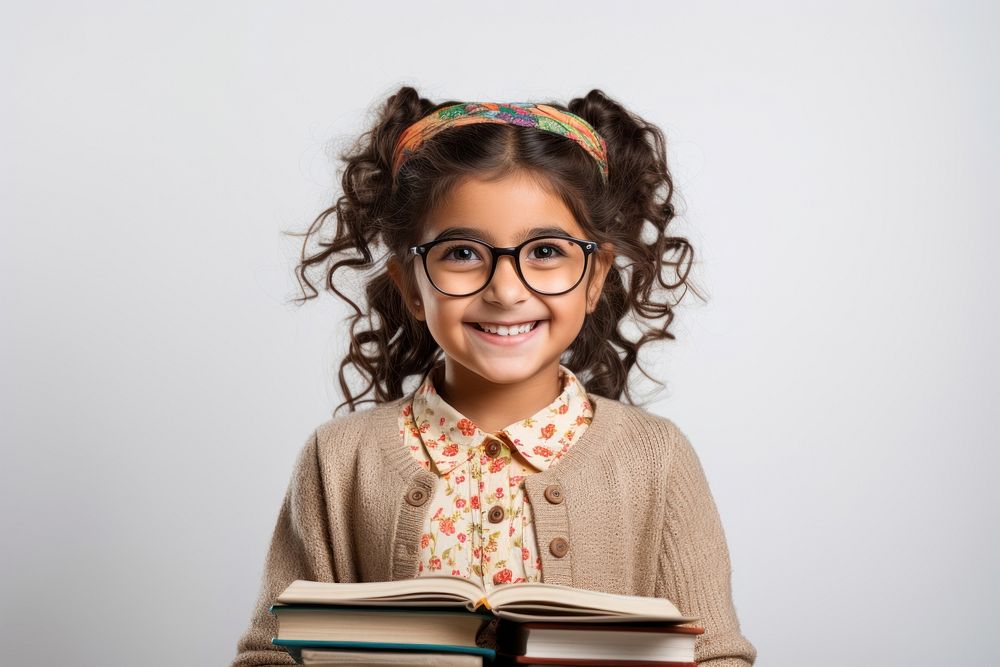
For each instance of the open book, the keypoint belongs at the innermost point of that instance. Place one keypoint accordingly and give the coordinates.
(522, 602)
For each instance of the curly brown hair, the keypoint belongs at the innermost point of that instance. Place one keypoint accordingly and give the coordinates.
(378, 211)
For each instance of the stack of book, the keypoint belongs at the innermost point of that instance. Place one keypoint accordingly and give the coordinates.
(438, 620)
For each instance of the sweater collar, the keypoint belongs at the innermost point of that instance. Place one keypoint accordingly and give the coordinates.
(451, 439)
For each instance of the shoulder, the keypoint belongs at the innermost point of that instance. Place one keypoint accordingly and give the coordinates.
(642, 420)
(343, 433)
(637, 426)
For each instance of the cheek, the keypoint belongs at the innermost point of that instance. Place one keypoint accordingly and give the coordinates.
(569, 311)
(424, 287)
(443, 314)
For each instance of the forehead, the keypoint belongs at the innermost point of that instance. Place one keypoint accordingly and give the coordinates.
(502, 212)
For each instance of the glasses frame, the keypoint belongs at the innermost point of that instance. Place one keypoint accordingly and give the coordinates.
(589, 247)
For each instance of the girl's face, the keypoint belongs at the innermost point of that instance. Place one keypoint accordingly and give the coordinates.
(504, 213)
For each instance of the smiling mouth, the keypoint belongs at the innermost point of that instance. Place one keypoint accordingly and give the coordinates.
(504, 331)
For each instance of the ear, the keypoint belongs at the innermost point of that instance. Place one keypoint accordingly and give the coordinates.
(602, 261)
(406, 289)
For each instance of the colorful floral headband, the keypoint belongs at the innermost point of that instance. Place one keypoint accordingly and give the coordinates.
(541, 116)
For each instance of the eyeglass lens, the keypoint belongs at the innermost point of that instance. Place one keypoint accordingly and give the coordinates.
(550, 265)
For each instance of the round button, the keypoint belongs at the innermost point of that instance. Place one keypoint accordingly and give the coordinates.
(559, 546)
(493, 449)
(554, 494)
(417, 497)
(496, 514)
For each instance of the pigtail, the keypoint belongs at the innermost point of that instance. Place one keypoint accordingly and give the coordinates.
(654, 280)
(387, 344)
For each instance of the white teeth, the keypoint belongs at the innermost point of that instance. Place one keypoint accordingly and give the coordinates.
(508, 331)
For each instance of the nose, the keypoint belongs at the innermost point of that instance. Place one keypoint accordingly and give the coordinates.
(506, 285)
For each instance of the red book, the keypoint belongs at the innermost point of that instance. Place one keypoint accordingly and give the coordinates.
(526, 661)
(597, 644)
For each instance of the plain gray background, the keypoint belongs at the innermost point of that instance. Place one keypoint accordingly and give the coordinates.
(837, 168)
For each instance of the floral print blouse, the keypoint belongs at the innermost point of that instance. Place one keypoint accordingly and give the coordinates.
(480, 523)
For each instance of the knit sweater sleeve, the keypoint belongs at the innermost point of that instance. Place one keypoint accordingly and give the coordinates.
(299, 549)
(694, 569)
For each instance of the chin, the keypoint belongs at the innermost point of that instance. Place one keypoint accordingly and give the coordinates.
(505, 371)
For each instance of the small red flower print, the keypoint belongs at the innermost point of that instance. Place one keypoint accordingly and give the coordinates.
(497, 464)
(435, 563)
(563, 408)
(461, 537)
(510, 531)
(450, 450)
(519, 580)
(466, 427)
(447, 526)
(548, 431)
(425, 540)
(541, 451)
(407, 410)
(477, 552)
(525, 554)
(503, 576)
(499, 492)
(474, 502)
(456, 573)
(459, 479)
(441, 421)
(420, 568)
(459, 503)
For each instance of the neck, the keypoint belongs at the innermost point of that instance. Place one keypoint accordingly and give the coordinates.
(493, 406)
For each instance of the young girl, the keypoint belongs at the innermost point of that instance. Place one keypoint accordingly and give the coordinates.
(517, 238)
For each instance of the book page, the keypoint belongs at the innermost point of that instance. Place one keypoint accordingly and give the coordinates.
(431, 590)
(540, 601)
(346, 657)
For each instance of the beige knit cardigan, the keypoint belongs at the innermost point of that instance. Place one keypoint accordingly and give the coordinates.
(635, 509)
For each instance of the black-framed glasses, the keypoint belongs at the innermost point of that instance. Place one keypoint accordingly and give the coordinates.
(549, 265)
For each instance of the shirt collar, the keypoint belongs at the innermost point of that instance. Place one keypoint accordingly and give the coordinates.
(451, 439)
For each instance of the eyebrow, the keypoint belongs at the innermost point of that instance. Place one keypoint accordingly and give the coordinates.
(484, 235)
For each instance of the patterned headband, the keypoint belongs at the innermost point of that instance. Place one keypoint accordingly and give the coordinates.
(541, 116)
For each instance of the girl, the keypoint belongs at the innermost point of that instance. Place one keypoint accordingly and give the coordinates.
(512, 459)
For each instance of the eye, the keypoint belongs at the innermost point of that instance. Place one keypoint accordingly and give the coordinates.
(459, 253)
(545, 251)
